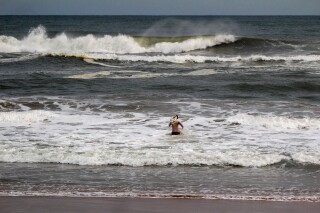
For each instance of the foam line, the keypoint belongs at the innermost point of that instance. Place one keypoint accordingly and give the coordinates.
(178, 58)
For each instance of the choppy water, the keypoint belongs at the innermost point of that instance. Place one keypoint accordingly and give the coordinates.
(98, 93)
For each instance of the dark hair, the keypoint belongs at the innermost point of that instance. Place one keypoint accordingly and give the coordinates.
(177, 116)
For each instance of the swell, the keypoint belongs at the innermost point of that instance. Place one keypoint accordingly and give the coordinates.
(262, 43)
(289, 87)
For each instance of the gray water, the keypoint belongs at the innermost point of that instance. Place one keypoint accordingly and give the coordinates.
(86, 101)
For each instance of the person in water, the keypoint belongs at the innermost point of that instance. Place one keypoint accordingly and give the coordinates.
(175, 123)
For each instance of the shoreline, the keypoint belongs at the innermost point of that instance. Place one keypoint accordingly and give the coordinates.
(289, 199)
(165, 205)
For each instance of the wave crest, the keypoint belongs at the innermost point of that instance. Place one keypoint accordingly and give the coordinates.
(38, 41)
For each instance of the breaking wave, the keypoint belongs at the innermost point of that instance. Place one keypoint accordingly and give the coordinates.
(70, 146)
(142, 48)
(100, 156)
(38, 41)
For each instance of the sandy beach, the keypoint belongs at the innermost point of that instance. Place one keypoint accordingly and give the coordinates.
(135, 205)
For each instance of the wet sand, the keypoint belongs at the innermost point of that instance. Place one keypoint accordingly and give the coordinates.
(137, 205)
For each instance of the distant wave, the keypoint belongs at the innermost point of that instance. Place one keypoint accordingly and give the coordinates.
(190, 58)
(140, 48)
(285, 87)
(37, 41)
(261, 43)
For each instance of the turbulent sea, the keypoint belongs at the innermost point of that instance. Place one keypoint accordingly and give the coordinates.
(85, 103)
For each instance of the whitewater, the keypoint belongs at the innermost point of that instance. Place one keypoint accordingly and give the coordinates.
(37, 41)
(88, 139)
(85, 105)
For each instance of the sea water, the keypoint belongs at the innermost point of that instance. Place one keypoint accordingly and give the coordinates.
(85, 103)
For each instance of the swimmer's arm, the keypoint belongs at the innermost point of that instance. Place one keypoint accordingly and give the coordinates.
(181, 125)
(170, 124)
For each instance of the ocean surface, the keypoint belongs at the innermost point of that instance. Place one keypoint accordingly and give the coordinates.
(85, 103)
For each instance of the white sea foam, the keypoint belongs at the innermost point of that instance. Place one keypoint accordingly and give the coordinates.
(24, 116)
(306, 58)
(310, 157)
(91, 61)
(38, 41)
(202, 72)
(90, 75)
(192, 44)
(138, 74)
(74, 193)
(178, 58)
(275, 122)
(97, 136)
(97, 155)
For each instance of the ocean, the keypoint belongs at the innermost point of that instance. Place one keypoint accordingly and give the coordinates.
(85, 103)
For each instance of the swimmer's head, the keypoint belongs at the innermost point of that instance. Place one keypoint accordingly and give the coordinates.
(174, 119)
